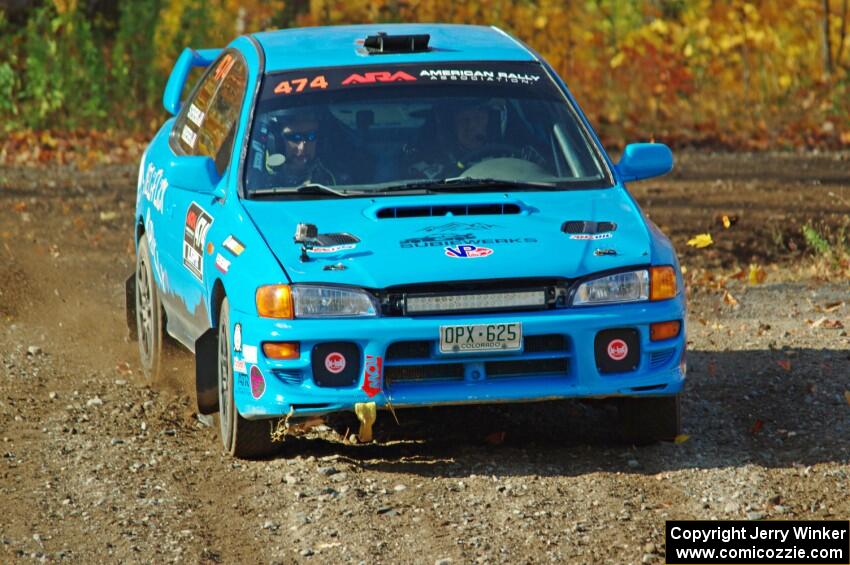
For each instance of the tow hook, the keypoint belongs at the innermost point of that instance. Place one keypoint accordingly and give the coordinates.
(366, 412)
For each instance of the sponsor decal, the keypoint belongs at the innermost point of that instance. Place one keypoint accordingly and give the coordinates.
(377, 76)
(237, 337)
(239, 366)
(617, 349)
(471, 75)
(198, 223)
(242, 379)
(249, 352)
(195, 115)
(455, 233)
(154, 186)
(188, 136)
(233, 245)
(591, 236)
(373, 375)
(468, 251)
(331, 249)
(258, 382)
(152, 247)
(221, 263)
(335, 362)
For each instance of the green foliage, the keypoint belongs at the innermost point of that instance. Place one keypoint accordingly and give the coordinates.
(816, 241)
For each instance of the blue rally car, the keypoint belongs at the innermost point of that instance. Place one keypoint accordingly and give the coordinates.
(378, 217)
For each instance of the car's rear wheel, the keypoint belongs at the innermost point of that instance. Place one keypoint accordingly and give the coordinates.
(247, 439)
(149, 316)
(649, 419)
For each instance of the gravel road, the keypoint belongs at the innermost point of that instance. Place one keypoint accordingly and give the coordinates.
(96, 464)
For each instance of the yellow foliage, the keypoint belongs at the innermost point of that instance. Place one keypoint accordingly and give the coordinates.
(701, 240)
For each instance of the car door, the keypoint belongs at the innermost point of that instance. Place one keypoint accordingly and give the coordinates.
(204, 127)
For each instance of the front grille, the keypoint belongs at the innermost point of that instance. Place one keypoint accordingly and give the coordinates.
(441, 371)
(416, 361)
(496, 369)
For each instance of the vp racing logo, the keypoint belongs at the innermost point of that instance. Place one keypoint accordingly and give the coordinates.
(198, 223)
(468, 251)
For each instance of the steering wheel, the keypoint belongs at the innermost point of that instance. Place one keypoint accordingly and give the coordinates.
(488, 151)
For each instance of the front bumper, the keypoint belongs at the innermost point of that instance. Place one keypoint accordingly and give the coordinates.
(570, 371)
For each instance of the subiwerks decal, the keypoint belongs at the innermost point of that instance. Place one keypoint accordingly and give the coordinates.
(198, 223)
(258, 383)
(373, 375)
(468, 252)
(233, 245)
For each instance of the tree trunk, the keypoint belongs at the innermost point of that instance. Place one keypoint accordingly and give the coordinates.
(827, 40)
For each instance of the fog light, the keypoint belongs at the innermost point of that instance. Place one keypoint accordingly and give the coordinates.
(664, 330)
(282, 349)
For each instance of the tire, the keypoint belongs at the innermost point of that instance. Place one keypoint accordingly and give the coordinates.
(646, 420)
(149, 317)
(246, 439)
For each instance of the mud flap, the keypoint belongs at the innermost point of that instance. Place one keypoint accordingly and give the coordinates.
(130, 306)
(206, 371)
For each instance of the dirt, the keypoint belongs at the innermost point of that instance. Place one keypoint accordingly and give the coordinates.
(96, 464)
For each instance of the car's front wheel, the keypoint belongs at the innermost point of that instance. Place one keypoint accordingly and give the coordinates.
(649, 419)
(247, 439)
(149, 316)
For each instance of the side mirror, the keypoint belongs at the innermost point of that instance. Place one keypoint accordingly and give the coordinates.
(645, 160)
(177, 79)
(194, 172)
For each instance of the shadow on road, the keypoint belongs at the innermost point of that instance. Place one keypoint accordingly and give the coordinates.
(773, 408)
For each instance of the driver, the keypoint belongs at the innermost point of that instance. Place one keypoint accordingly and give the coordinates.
(299, 164)
(469, 141)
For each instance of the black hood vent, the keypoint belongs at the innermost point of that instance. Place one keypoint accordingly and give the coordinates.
(579, 226)
(453, 210)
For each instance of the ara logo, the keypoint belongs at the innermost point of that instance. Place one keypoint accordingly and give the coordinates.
(378, 76)
(468, 251)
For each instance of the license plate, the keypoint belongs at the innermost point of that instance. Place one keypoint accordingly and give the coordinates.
(481, 338)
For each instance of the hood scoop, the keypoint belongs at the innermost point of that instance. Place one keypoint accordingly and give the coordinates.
(587, 227)
(499, 209)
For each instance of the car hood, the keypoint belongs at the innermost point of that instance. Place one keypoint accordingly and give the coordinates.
(417, 239)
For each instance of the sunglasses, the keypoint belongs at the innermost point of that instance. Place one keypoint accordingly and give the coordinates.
(299, 136)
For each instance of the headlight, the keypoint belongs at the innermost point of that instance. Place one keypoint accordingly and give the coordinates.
(620, 287)
(310, 301)
(320, 301)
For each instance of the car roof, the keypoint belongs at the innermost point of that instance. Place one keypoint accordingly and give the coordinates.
(334, 46)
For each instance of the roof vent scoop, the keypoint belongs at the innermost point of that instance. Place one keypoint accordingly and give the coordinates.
(579, 226)
(385, 44)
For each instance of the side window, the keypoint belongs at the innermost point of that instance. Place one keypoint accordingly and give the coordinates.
(207, 124)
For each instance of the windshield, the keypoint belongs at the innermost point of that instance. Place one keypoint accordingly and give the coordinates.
(374, 129)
